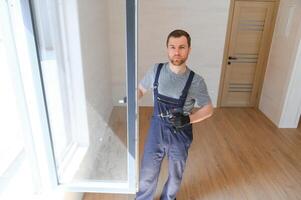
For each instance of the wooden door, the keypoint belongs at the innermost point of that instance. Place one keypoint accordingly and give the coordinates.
(247, 52)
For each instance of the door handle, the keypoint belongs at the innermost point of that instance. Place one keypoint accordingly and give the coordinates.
(232, 58)
(122, 101)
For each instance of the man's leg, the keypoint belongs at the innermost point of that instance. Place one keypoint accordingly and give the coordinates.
(154, 153)
(177, 156)
(171, 187)
(150, 169)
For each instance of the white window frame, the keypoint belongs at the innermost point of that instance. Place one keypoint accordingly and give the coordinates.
(12, 61)
(30, 92)
(54, 51)
(39, 115)
(10, 168)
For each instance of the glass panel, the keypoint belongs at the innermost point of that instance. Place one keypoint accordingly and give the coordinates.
(82, 48)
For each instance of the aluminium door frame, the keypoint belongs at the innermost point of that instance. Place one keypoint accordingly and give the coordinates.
(129, 187)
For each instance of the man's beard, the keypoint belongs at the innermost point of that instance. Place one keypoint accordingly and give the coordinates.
(178, 61)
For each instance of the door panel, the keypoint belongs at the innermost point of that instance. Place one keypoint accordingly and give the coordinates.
(251, 27)
(243, 74)
(88, 66)
(248, 42)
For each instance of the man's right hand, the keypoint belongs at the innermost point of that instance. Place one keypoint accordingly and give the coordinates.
(141, 91)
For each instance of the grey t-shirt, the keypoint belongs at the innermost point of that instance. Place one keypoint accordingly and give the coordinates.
(172, 85)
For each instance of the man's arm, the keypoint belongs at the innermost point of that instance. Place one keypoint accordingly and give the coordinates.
(201, 114)
(141, 91)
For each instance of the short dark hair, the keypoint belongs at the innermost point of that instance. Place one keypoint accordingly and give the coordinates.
(179, 33)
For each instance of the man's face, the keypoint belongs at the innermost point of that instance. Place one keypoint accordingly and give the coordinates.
(178, 50)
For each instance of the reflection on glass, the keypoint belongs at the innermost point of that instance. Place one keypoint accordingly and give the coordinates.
(83, 61)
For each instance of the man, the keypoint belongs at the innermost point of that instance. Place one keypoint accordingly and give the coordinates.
(176, 89)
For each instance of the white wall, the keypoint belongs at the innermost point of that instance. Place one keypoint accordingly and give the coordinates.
(292, 106)
(206, 21)
(280, 93)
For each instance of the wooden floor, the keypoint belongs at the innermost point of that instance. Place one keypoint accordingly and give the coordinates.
(237, 154)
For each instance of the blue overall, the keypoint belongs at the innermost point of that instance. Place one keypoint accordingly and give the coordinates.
(164, 139)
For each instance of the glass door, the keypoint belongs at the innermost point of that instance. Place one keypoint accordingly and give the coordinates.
(88, 68)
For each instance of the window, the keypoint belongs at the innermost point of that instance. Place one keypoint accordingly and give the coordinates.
(76, 132)
(16, 154)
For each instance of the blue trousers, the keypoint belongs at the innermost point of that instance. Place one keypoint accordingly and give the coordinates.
(163, 140)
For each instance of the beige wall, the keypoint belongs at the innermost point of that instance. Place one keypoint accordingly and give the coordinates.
(117, 38)
(282, 61)
(206, 21)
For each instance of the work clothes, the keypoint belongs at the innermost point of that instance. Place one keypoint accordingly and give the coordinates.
(164, 139)
(171, 85)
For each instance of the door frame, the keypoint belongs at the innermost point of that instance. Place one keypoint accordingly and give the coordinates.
(226, 50)
(39, 116)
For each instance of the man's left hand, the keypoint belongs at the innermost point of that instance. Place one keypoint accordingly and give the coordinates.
(178, 120)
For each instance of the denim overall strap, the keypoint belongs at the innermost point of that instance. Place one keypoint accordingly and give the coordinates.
(157, 79)
(186, 88)
(156, 93)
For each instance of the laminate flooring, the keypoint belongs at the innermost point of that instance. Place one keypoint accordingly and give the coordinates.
(237, 154)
